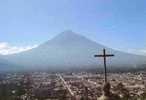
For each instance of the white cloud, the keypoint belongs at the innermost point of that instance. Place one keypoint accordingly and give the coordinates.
(138, 51)
(143, 51)
(6, 48)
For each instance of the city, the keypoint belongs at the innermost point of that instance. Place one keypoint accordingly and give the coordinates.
(70, 86)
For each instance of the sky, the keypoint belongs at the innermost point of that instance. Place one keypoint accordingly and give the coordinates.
(119, 24)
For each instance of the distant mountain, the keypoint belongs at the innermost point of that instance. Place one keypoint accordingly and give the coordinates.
(5, 65)
(70, 50)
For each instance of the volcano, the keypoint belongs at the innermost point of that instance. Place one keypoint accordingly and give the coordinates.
(71, 50)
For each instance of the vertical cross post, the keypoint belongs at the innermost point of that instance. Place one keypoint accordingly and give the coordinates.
(105, 70)
(104, 55)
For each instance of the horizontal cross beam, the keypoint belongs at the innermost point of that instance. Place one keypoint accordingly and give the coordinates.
(107, 55)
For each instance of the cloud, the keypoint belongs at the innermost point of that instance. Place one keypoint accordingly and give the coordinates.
(6, 48)
(138, 51)
(143, 51)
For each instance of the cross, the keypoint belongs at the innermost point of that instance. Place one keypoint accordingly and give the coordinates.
(104, 55)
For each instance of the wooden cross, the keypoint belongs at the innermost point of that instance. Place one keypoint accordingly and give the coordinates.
(104, 55)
